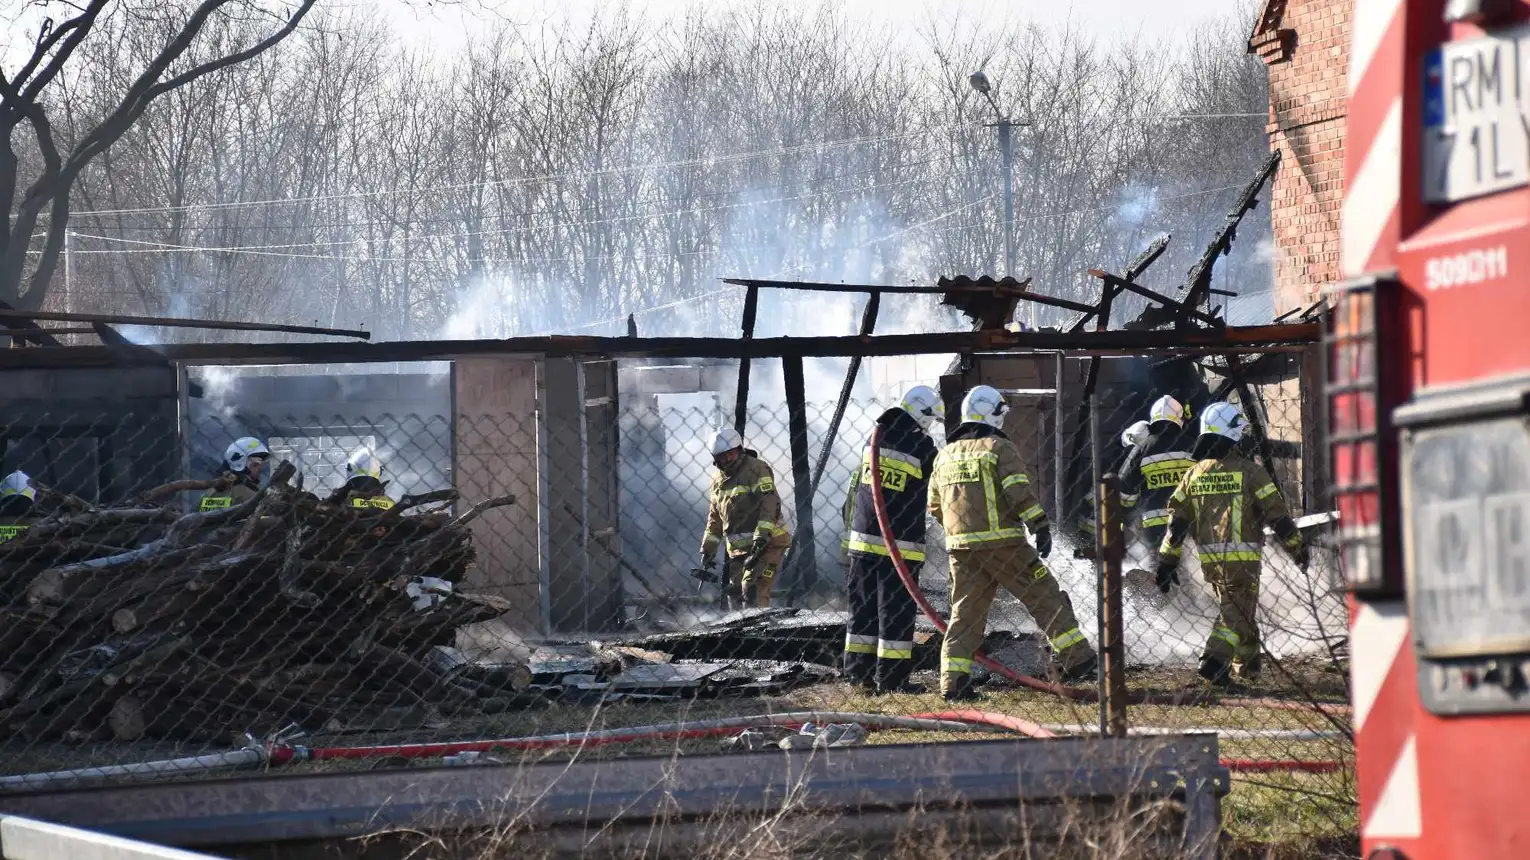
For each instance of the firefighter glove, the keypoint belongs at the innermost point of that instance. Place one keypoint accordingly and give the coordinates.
(708, 559)
(1168, 574)
(1300, 554)
(757, 549)
(1044, 542)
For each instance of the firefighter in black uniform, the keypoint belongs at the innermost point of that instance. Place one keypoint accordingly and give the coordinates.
(1152, 471)
(879, 640)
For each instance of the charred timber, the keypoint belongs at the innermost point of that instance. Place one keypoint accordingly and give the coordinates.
(175, 322)
(1255, 338)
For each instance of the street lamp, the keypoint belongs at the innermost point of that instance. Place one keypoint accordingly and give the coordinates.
(1005, 125)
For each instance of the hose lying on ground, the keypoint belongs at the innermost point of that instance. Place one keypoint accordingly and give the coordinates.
(948, 721)
(276, 755)
(279, 754)
(1078, 694)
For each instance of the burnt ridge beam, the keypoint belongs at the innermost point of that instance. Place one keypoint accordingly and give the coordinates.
(177, 322)
(1268, 338)
(1182, 310)
(1198, 279)
(1134, 270)
(1018, 291)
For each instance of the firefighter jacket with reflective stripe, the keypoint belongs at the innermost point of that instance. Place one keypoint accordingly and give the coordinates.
(241, 492)
(743, 505)
(10, 529)
(980, 491)
(1226, 503)
(1153, 472)
(907, 457)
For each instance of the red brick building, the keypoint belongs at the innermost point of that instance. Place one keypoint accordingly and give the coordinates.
(1305, 44)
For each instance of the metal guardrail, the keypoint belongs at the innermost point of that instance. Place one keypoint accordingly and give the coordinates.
(872, 788)
(26, 839)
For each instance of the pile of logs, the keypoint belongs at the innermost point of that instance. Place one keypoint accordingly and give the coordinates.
(285, 609)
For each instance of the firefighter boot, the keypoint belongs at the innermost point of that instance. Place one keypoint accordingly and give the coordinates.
(1247, 670)
(957, 687)
(892, 677)
(1216, 671)
(860, 668)
(1081, 673)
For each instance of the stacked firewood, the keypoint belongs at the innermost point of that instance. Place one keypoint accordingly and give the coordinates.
(282, 610)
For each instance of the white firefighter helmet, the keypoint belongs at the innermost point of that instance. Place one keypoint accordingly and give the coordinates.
(17, 484)
(1167, 408)
(363, 464)
(238, 454)
(1135, 435)
(726, 439)
(924, 404)
(984, 404)
(1222, 419)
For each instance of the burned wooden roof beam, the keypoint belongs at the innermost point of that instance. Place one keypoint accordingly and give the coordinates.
(1183, 310)
(1255, 338)
(34, 317)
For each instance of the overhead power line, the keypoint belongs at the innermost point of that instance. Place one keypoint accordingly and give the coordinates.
(707, 161)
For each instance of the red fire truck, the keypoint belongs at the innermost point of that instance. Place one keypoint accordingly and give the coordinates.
(1428, 366)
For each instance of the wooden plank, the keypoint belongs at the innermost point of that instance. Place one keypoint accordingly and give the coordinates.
(495, 454)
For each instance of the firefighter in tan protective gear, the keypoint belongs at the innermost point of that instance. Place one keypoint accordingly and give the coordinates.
(1224, 501)
(982, 495)
(744, 512)
(239, 478)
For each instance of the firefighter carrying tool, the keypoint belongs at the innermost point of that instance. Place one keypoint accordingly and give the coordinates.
(1153, 471)
(1133, 439)
(1225, 500)
(242, 464)
(981, 494)
(879, 639)
(18, 498)
(744, 511)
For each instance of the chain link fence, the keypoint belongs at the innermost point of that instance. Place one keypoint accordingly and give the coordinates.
(512, 582)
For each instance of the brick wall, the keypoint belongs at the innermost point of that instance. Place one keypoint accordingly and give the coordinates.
(1307, 55)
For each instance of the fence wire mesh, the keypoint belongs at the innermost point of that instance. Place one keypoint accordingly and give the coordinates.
(518, 576)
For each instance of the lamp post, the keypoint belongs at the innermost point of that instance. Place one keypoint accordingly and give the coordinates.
(1006, 127)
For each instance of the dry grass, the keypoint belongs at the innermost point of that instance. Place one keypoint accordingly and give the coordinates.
(1266, 816)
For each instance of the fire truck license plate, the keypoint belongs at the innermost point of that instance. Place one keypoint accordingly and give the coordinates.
(1476, 122)
(1468, 523)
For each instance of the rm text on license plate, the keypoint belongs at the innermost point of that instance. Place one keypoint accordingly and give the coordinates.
(1476, 123)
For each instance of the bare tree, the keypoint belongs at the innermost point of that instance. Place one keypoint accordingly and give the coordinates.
(24, 100)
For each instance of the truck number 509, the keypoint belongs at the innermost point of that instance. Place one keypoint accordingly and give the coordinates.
(1466, 269)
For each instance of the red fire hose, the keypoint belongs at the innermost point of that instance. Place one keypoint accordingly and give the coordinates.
(940, 721)
(1080, 694)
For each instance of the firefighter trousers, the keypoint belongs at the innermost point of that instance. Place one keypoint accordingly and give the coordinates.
(879, 640)
(1234, 638)
(976, 575)
(751, 585)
